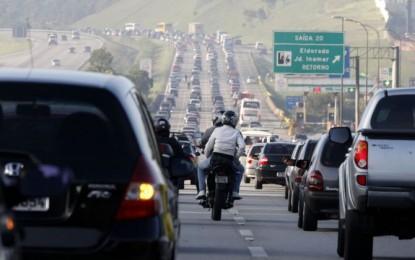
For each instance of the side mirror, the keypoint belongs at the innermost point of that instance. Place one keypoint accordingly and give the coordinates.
(340, 135)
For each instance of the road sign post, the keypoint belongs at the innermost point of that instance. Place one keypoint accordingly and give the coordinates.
(309, 52)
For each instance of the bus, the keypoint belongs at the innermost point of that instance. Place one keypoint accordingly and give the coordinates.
(164, 28)
(250, 110)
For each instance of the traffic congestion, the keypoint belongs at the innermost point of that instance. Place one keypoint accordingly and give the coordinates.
(147, 141)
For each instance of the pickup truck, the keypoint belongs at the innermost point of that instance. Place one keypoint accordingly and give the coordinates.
(377, 178)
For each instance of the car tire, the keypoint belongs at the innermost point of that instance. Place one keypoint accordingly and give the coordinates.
(340, 238)
(258, 185)
(309, 218)
(286, 192)
(294, 200)
(357, 243)
(290, 208)
(247, 179)
(300, 212)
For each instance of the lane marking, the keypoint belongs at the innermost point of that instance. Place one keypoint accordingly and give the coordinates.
(257, 251)
(245, 232)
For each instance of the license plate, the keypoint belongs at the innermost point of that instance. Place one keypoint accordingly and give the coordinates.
(280, 174)
(38, 204)
(221, 179)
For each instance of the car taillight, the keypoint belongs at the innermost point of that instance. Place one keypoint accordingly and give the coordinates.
(361, 154)
(250, 160)
(263, 161)
(142, 196)
(315, 181)
(297, 179)
(191, 158)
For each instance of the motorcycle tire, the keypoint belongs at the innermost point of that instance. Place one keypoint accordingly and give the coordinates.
(218, 205)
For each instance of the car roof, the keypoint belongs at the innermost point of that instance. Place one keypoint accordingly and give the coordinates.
(115, 84)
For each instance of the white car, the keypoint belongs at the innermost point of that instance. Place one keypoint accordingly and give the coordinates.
(56, 62)
(251, 80)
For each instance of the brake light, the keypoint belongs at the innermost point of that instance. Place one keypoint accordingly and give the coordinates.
(361, 154)
(263, 161)
(250, 160)
(142, 196)
(315, 181)
(191, 158)
(361, 179)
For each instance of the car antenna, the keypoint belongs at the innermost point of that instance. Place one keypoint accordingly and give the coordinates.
(29, 39)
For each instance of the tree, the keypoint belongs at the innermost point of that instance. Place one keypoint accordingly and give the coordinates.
(141, 80)
(101, 61)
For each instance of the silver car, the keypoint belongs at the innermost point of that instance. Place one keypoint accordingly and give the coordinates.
(251, 161)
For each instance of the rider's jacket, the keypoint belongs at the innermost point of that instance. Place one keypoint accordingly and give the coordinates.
(225, 140)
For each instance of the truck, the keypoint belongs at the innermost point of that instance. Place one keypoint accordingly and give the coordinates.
(377, 177)
(196, 29)
(52, 39)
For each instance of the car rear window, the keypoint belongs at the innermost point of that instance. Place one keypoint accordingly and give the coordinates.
(394, 112)
(85, 129)
(279, 148)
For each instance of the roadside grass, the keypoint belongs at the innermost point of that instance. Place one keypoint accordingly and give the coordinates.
(10, 45)
(128, 51)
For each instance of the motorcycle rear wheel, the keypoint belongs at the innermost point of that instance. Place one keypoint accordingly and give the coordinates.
(218, 205)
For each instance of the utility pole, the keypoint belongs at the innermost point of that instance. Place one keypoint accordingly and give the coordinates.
(356, 97)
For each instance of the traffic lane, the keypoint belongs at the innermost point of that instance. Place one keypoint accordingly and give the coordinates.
(204, 239)
(262, 222)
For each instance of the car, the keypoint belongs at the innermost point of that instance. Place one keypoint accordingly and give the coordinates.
(254, 124)
(251, 80)
(87, 48)
(56, 62)
(271, 165)
(64, 37)
(97, 126)
(319, 188)
(293, 177)
(72, 50)
(298, 137)
(250, 161)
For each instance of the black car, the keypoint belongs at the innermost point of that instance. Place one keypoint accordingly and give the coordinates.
(190, 150)
(98, 126)
(271, 166)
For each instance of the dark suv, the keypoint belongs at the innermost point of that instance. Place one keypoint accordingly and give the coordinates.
(271, 166)
(319, 188)
(121, 201)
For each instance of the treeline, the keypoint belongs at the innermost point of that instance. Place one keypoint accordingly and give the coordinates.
(48, 14)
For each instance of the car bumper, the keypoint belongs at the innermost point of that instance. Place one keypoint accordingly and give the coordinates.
(323, 201)
(270, 176)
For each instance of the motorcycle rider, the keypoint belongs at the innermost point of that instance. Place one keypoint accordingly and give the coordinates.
(162, 129)
(224, 144)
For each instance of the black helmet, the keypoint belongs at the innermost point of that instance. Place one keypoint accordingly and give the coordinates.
(162, 126)
(230, 118)
(217, 117)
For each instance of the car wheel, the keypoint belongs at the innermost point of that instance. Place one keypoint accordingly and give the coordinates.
(357, 244)
(289, 200)
(247, 179)
(300, 212)
(309, 218)
(340, 238)
(294, 203)
(258, 184)
(286, 192)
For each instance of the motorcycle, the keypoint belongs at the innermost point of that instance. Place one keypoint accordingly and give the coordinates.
(220, 181)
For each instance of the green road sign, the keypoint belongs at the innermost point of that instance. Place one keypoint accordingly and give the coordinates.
(309, 52)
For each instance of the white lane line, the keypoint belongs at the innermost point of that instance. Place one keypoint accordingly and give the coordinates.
(245, 232)
(257, 251)
(234, 211)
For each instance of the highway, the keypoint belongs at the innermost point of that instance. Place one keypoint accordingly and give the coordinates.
(41, 54)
